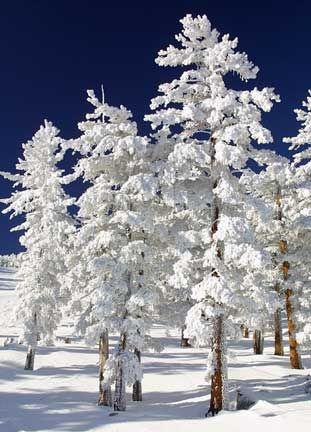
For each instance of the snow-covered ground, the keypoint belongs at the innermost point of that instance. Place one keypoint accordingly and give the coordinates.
(61, 394)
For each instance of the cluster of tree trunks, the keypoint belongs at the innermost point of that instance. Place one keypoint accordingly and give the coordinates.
(120, 384)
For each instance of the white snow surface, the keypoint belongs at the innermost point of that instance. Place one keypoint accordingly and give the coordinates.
(61, 393)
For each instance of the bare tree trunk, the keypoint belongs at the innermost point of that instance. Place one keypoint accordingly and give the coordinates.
(278, 336)
(258, 342)
(218, 339)
(104, 398)
(137, 395)
(295, 359)
(30, 358)
(31, 352)
(184, 342)
(216, 402)
(120, 392)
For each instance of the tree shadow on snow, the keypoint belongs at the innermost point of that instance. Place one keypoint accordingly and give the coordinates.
(77, 411)
(66, 409)
(286, 390)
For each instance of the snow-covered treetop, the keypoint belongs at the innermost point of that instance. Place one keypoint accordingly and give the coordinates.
(201, 45)
(230, 116)
(109, 141)
(38, 176)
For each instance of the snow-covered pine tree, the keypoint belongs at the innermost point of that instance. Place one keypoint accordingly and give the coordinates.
(40, 198)
(78, 282)
(285, 190)
(269, 228)
(298, 205)
(210, 130)
(116, 224)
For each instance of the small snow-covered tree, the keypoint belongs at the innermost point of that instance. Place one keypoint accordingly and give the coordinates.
(40, 198)
(116, 222)
(209, 131)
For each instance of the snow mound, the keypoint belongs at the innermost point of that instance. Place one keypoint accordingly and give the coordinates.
(266, 409)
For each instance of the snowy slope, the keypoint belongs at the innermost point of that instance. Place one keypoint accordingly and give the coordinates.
(61, 394)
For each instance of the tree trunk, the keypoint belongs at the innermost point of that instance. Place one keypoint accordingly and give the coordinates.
(245, 332)
(137, 390)
(120, 392)
(218, 338)
(31, 352)
(30, 358)
(184, 342)
(278, 337)
(104, 398)
(295, 360)
(216, 402)
(258, 342)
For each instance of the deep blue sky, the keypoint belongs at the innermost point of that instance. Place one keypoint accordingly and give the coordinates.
(52, 51)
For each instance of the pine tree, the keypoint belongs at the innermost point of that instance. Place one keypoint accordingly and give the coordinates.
(40, 198)
(116, 222)
(267, 186)
(210, 130)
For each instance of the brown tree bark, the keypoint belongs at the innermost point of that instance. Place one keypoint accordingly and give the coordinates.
(258, 340)
(295, 359)
(216, 402)
(104, 398)
(278, 336)
(218, 339)
(137, 395)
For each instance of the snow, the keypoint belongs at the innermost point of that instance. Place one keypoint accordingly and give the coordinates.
(61, 393)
